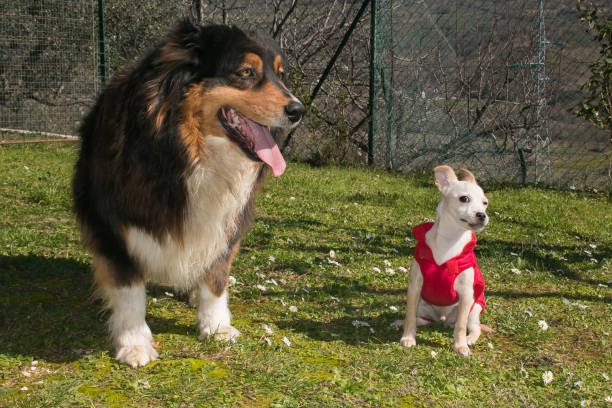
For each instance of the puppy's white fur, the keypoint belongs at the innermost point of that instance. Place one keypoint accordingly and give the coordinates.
(452, 230)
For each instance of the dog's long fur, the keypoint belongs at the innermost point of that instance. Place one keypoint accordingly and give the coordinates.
(164, 189)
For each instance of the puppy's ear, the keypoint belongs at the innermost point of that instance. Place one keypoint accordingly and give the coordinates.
(466, 175)
(444, 176)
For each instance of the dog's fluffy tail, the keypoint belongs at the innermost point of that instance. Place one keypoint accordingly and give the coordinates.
(486, 329)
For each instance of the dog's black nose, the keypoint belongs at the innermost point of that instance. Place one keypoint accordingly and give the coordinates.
(481, 216)
(294, 111)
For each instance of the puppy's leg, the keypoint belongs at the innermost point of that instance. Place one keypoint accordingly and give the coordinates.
(465, 292)
(213, 313)
(129, 332)
(414, 294)
(473, 325)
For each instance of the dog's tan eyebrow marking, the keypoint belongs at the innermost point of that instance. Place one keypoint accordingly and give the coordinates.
(278, 64)
(252, 60)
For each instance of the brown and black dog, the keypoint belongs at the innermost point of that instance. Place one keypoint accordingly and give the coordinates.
(171, 156)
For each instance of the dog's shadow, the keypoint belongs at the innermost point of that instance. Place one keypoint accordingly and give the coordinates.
(48, 311)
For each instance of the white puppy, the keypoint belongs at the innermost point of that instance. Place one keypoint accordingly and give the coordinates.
(445, 282)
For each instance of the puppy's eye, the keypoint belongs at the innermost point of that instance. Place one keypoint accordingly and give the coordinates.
(464, 199)
(485, 203)
(246, 73)
(281, 75)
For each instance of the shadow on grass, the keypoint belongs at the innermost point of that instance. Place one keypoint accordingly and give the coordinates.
(47, 310)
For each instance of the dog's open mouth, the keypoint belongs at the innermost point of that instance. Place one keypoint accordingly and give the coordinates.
(254, 139)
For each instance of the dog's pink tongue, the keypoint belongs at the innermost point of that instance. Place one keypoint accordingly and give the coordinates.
(265, 147)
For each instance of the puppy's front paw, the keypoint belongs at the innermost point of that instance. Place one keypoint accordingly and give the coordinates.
(136, 356)
(221, 333)
(408, 341)
(462, 349)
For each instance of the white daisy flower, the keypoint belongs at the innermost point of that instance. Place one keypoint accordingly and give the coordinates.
(375, 269)
(402, 269)
(154, 300)
(286, 341)
(608, 399)
(261, 287)
(387, 262)
(490, 345)
(593, 246)
(578, 384)
(271, 258)
(292, 198)
(355, 323)
(332, 254)
(390, 271)
(372, 330)
(267, 329)
(231, 280)
(433, 354)
(23, 389)
(516, 271)
(145, 384)
(393, 308)
(543, 325)
(268, 341)
(605, 376)
(585, 403)
(169, 294)
(547, 377)
(293, 308)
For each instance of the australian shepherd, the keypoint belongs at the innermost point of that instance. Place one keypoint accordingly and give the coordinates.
(172, 154)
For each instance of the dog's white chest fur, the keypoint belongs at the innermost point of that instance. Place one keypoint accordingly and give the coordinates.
(219, 190)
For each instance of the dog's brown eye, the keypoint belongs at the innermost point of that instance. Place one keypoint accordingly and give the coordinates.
(246, 73)
(281, 75)
(464, 199)
(485, 203)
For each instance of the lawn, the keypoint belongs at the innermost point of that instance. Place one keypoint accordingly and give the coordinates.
(546, 255)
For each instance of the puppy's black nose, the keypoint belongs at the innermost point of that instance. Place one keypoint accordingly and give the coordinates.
(294, 111)
(481, 216)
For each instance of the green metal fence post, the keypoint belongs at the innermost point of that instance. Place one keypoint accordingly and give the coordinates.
(102, 43)
(372, 82)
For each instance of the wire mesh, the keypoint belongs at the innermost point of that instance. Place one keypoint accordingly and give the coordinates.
(487, 85)
(47, 67)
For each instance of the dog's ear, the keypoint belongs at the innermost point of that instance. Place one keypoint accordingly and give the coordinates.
(444, 176)
(466, 175)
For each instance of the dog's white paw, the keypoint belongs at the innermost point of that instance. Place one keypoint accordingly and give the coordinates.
(136, 356)
(408, 341)
(472, 338)
(462, 349)
(220, 333)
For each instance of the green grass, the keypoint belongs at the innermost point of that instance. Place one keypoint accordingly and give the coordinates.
(47, 313)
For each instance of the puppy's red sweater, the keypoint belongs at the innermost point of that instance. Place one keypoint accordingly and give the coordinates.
(438, 280)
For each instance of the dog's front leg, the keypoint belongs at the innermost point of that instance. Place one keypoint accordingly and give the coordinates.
(465, 292)
(129, 332)
(414, 293)
(213, 312)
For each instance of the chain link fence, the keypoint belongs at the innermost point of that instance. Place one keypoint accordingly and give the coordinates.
(48, 67)
(488, 85)
(483, 84)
